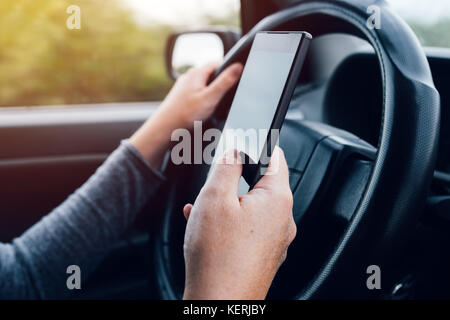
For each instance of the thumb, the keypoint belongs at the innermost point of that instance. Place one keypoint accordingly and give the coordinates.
(226, 174)
(277, 174)
(227, 79)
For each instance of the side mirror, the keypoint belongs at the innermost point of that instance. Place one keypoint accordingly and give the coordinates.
(195, 48)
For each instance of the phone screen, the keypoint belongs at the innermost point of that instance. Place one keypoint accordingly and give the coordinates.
(258, 96)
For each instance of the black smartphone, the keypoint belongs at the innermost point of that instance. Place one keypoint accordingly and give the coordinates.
(262, 99)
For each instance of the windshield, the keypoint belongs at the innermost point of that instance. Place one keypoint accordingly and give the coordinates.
(115, 53)
(430, 19)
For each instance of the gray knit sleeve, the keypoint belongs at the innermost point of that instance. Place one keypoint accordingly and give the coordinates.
(80, 230)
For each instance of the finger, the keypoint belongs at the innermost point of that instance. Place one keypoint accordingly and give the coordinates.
(277, 173)
(227, 79)
(207, 70)
(226, 174)
(187, 211)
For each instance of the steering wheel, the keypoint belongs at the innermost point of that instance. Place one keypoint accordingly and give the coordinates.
(355, 205)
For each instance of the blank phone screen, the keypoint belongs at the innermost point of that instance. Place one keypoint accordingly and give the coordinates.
(258, 95)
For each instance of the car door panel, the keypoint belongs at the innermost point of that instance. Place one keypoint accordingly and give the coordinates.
(46, 154)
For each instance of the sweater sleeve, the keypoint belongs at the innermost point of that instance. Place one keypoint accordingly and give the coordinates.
(79, 231)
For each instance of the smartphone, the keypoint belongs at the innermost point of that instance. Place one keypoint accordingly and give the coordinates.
(262, 99)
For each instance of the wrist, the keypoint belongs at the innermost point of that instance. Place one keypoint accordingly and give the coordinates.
(171, 118)
(225, 290)
(153, 140)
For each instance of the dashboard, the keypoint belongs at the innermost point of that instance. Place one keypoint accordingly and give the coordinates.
(351, 99)
(349, 96)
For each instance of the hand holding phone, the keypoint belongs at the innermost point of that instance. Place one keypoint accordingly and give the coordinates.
(262, 100)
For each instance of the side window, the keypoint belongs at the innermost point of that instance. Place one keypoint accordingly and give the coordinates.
(430, 24)
(56, 52)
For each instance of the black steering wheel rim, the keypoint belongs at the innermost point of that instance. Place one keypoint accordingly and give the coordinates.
(408, 139)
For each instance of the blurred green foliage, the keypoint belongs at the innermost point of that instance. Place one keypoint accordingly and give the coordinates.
(433, 35)
(111, 59)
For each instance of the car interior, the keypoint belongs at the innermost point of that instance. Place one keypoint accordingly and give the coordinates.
(367, 141)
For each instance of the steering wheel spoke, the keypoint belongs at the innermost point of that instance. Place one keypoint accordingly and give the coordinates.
(327, 164)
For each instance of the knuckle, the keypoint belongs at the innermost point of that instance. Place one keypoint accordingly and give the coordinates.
(192, 72)
(293, 231)
(286, 197)
(290, 198)
(230, 79)
(208, 96)
(211, 191)
(195, 101)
